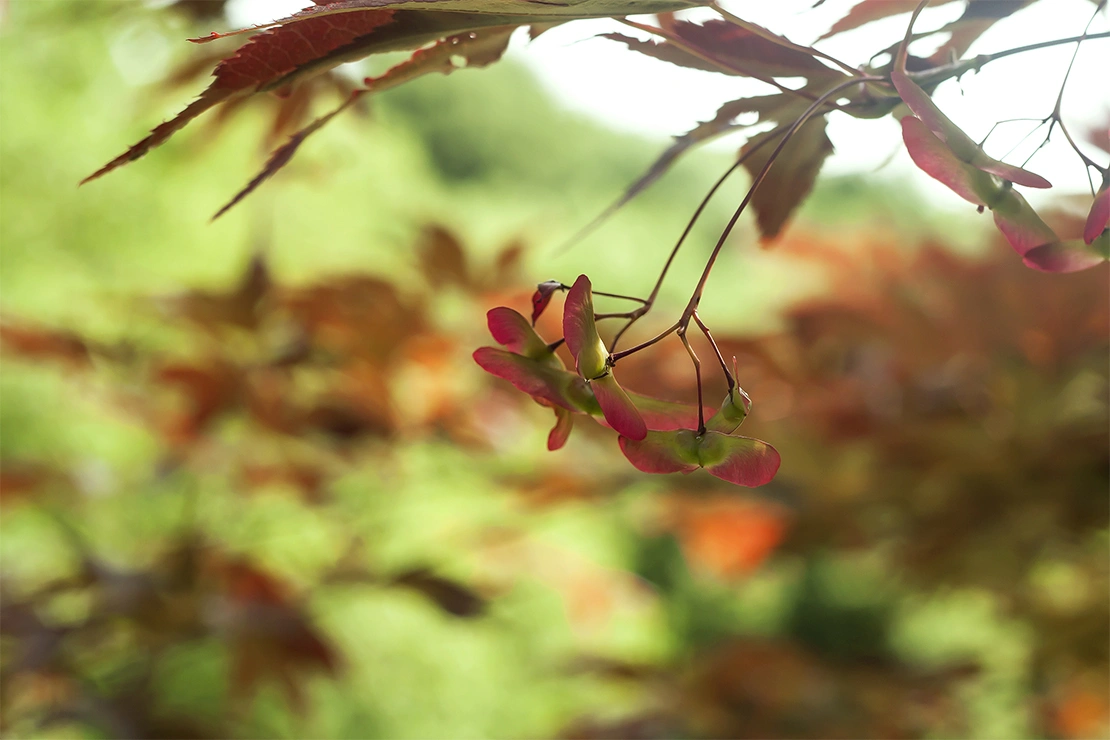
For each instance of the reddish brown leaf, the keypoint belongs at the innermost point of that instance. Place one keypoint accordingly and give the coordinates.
(867, 11)
(25, 480)
(357, 316)
(267, 61)
(667, 52)
(750, 54)
(239, 307)
(269, 633)
(978, 17)
(790, 178)
(281, 156)
(209, 390)
(478, 48)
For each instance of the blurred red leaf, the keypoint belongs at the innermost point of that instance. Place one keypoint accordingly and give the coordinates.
(20, 480)
(729, 537)
(240, 307)
(270, 635)
(45, 345)
(209, 390)
(451, 597)
(442, 258)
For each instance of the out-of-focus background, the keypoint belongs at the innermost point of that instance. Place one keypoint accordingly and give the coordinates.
(253, 484)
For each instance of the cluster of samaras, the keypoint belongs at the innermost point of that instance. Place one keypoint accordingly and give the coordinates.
(656, 436)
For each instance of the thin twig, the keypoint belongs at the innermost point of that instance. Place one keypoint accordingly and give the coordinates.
(697, 374)
(643, 345)
(639, 313)
(756, 182)
(716, 350)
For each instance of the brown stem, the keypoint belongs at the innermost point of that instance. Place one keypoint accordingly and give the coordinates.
(697, 374)
(937, 75)
(643, 345)
(716, 350)
(618, 295)
(692, 306)
(636, 315)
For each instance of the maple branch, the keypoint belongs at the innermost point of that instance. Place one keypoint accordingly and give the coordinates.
(697, 374)
(937, 75)
(716, 350)
(634, 316)
(1055, 118)
(615, 295)
(643, 345)
(695, 298)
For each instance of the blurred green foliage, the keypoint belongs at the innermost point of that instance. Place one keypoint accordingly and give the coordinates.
(612, 603)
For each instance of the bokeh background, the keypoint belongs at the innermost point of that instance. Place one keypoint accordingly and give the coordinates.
(253, 484)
